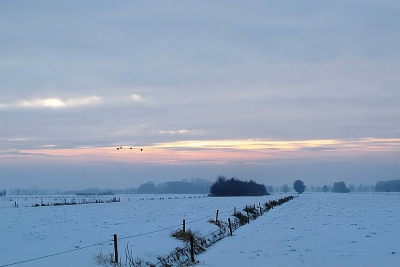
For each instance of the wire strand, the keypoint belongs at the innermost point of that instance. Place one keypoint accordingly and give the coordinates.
(55, 254)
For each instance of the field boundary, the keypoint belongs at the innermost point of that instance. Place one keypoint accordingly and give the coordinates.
(183, 255)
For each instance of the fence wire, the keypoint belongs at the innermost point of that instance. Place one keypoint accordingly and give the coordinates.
(55, 254)
(179, 253)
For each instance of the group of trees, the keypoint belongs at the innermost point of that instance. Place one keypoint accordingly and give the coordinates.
(37, 191)
(388, 186)
(225, 187)
(195, 186)
(284, 188)
(236, 187)
(341, 187)
(338, 187)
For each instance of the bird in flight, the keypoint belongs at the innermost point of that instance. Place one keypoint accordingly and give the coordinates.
(118, 148)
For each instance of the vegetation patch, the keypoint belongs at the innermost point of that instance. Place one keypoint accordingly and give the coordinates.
(105, 259)
(234, 187)
(242, 219)
(251, 209)
(183, 235)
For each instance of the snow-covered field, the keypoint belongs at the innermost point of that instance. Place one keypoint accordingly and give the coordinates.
(315, 229)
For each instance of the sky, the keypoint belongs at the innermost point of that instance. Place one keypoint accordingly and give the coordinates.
(271, 91)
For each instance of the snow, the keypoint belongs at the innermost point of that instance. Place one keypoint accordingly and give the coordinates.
(317, 230)
(314, 229)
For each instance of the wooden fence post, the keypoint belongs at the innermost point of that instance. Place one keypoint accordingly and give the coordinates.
(184, 226)
(230, 226)
(216, 217)
(248, 218)
(260, 211)
(192, 248)
(115, 248)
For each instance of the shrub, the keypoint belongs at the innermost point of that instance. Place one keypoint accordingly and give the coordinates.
(251, 209)
(241, 217)
(105, 259)
(183, 235)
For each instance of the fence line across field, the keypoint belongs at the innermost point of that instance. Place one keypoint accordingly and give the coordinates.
(97, 244)
(114, 240)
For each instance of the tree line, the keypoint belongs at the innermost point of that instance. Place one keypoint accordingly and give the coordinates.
(194, 186)
(388, 186)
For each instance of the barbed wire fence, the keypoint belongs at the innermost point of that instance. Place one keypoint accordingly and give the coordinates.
(183, 254)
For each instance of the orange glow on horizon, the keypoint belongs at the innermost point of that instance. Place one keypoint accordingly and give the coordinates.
(221, 151)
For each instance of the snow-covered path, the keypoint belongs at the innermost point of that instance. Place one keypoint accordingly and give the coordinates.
(317, 230)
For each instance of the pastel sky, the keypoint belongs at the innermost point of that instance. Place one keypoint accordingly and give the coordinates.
(272, 91)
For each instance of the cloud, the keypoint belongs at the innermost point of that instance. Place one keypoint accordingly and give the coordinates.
(54, 102)
(136, 97)
(49, 145)
(48, 102)
(256, 151)
(173, 132)
(19, 139)
(210, 82)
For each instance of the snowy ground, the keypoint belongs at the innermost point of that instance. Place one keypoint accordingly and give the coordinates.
(312, 230)
(317, 230)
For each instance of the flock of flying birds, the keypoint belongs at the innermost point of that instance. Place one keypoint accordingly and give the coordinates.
(118, 148)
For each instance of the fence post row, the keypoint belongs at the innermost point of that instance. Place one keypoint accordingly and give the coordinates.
(281, 201)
